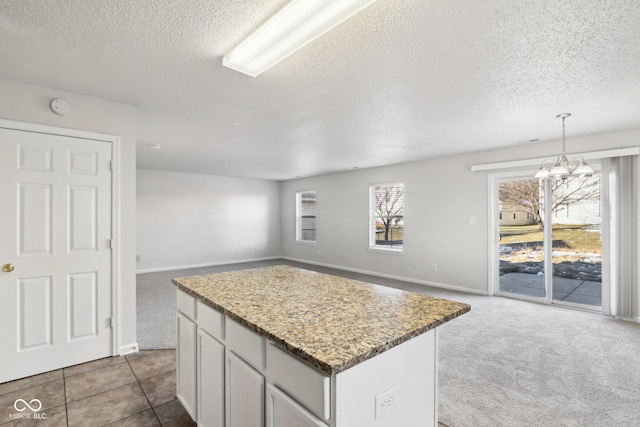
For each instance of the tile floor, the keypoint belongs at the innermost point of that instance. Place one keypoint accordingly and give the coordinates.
(133, 390)
(137, 390)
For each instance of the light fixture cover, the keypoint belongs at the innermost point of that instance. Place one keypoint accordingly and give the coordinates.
(558, 171)
(297, 24)
(583, 169)
(542, 173)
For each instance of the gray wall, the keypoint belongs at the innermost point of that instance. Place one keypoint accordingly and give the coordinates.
(29, 103)
(188, 220)
(440, 196)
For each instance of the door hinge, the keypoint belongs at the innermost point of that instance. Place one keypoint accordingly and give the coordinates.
(111, 244)
(110, 165)
(112, 322)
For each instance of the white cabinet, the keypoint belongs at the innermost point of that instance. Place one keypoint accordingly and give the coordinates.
(282, 411)
(310, 387)
(186, 372)
(244, 393)
(223, 369)
(210, 381)
(230, 376)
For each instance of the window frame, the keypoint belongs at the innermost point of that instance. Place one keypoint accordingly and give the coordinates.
(397, 250)
(299, 217)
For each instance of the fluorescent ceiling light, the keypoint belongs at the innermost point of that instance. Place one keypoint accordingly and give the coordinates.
(297, 24)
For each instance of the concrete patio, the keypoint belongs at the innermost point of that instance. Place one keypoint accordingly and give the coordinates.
(575, 291)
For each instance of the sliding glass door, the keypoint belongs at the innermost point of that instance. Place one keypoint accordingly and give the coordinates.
(550, 239)
(576, 252)
(521, 238)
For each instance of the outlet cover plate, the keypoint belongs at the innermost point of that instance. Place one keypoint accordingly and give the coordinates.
(386, 401)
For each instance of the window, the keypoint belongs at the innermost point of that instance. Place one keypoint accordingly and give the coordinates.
(386, 213)
(306, 216)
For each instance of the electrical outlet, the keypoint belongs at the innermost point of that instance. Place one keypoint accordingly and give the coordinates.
(385, 402)
(137, 258)
(434, 267)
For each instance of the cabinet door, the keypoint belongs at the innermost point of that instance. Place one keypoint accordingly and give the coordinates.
(245, 393)
(186, 364)
(282, 411)
(210, 381)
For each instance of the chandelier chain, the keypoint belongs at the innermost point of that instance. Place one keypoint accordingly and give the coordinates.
(564, 151)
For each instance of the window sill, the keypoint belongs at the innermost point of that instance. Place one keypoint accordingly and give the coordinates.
(392, 251)
(306, 242)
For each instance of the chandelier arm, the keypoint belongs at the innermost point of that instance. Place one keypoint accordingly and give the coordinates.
(574, 163)
(551, 163)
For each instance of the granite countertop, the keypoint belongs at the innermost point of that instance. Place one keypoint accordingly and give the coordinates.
(331, 322)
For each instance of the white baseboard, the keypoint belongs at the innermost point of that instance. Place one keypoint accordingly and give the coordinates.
(628, 319)
(210, 264)
(391, 276)
(337, 267)
(129, 348)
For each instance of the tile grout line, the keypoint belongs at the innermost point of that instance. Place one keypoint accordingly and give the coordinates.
(65, 391)
(99, 392)
(66, 405)
(39, 385)
(143, 392)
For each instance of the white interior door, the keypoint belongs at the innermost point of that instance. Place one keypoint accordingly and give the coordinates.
(55, 249)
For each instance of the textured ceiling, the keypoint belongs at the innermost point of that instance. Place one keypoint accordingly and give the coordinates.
(400, 81)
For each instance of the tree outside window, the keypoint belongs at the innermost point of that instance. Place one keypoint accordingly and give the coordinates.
(387, 216)
(526, 196)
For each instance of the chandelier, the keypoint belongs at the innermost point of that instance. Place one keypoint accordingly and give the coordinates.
(562, 167)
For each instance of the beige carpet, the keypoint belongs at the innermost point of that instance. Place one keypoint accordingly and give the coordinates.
(513, 363)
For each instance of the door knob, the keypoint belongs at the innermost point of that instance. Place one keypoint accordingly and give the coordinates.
(8, 268)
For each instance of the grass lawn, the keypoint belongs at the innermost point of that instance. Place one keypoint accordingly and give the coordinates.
(395, 234)
(574, 237)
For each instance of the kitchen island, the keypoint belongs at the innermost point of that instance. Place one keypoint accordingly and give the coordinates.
(283, 346)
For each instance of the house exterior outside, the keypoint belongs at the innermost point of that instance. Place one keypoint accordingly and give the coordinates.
(513, 216)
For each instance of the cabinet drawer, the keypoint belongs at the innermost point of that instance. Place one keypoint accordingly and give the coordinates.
(282, 411)
(303, 382)
(186, 304)
(210, 320)
(245, 343)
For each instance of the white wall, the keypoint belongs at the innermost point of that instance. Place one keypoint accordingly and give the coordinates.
(440, 196)
(188, 220)
(29, 103)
